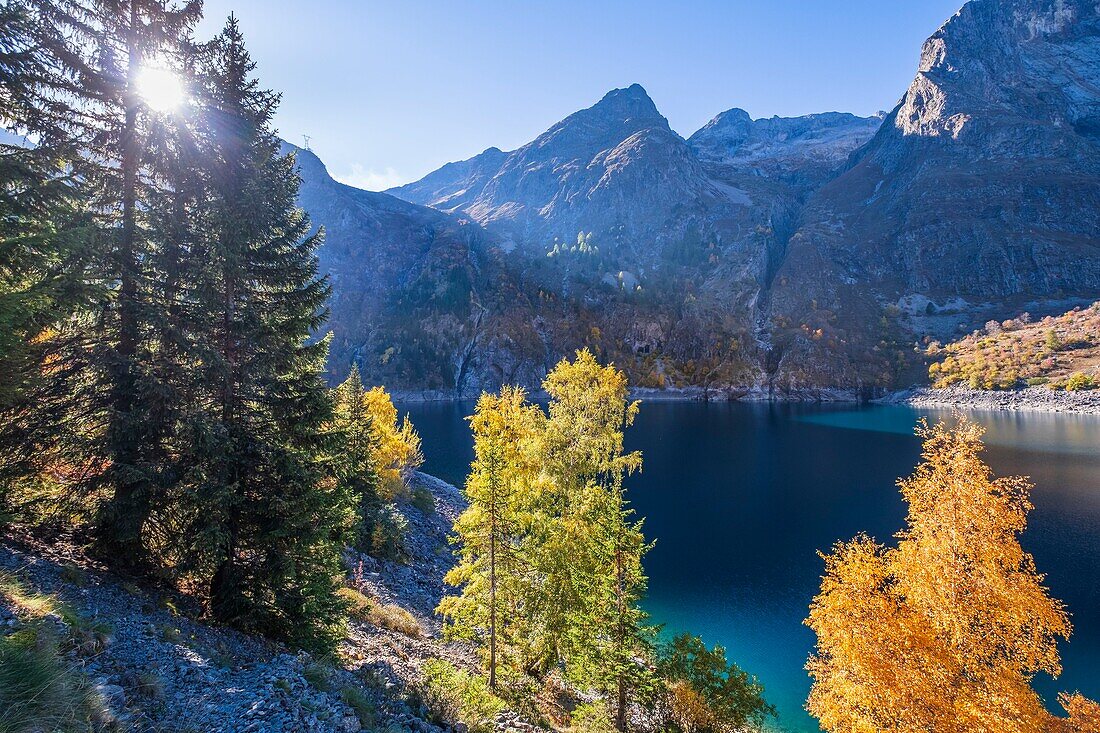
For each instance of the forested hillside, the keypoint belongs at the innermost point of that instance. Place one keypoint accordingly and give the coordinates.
(1061, 352)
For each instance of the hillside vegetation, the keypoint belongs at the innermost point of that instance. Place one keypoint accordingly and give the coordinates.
(1062, 352)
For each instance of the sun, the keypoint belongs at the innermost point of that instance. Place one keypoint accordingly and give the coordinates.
(160, 89)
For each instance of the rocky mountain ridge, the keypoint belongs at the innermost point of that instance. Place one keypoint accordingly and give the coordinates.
(782, 256)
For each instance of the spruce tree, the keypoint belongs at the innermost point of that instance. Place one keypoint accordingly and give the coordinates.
(45, 239)
(124, 37)
(356, 463)
(175, 266)
(268, 519)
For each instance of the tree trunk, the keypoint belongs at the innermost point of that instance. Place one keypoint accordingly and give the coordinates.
(620, 713)
(493, 607)
(126, 513)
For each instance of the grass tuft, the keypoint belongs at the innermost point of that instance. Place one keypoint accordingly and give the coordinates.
(384, 615)
(39, 691)
(361, 705)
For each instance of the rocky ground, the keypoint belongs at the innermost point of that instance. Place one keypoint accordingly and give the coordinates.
(1033, 399)
(159, 668)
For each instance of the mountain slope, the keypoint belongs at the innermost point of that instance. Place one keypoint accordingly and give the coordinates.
(681, 238)
(979, 194)
(420, 299)
(781, 255)
(454, 186)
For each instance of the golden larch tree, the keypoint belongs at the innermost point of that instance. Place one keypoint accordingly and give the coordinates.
(488, 533)
(944, 632)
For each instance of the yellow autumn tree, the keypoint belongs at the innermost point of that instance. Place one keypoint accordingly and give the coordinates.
(944, 632)
(591, 546)
(489, 532)
(1084, 715)
(396, 444)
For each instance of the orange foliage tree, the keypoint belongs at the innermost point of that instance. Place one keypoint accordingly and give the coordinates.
(944, 632)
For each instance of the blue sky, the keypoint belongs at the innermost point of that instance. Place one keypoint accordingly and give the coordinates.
(389, 91)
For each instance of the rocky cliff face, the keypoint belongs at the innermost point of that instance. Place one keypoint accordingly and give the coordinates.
(420, 299)
(979, 195)
(778, 254)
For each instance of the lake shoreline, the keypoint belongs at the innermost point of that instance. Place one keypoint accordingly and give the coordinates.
(673, 394)
(1028, 399)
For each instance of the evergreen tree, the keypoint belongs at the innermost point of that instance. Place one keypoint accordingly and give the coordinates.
(45, 240)
(609, 639)
(269, 519)
(175, 263)
(945, 631)
(357, 468)
(125, 36)
(490, 569)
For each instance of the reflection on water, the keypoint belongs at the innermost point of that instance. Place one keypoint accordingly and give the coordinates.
(741, 497)
(1040, 431)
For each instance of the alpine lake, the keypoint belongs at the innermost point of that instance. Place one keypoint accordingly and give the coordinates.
(741, 498)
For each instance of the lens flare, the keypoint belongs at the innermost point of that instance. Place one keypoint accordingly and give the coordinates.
(160, 89)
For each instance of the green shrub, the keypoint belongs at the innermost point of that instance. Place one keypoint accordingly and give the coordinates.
(456, 696)
(40, 692)
(1037, 381)
(1079, 382)
(382, 531)
(593, 717)
(423, 500)
(703, 686)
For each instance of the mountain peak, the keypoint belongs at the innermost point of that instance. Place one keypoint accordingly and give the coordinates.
(732, 115)
(630, 103)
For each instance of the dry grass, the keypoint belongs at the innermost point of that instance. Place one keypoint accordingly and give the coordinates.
(384, 615)
(39, 688)
(41, 691)
(30, 604)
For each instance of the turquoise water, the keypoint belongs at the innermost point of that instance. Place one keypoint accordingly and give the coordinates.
(740, 497)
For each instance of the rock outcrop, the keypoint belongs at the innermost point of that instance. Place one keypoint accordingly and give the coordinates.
(981, 188)
(421, 299)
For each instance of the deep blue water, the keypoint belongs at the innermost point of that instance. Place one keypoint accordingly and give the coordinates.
(740, 498)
